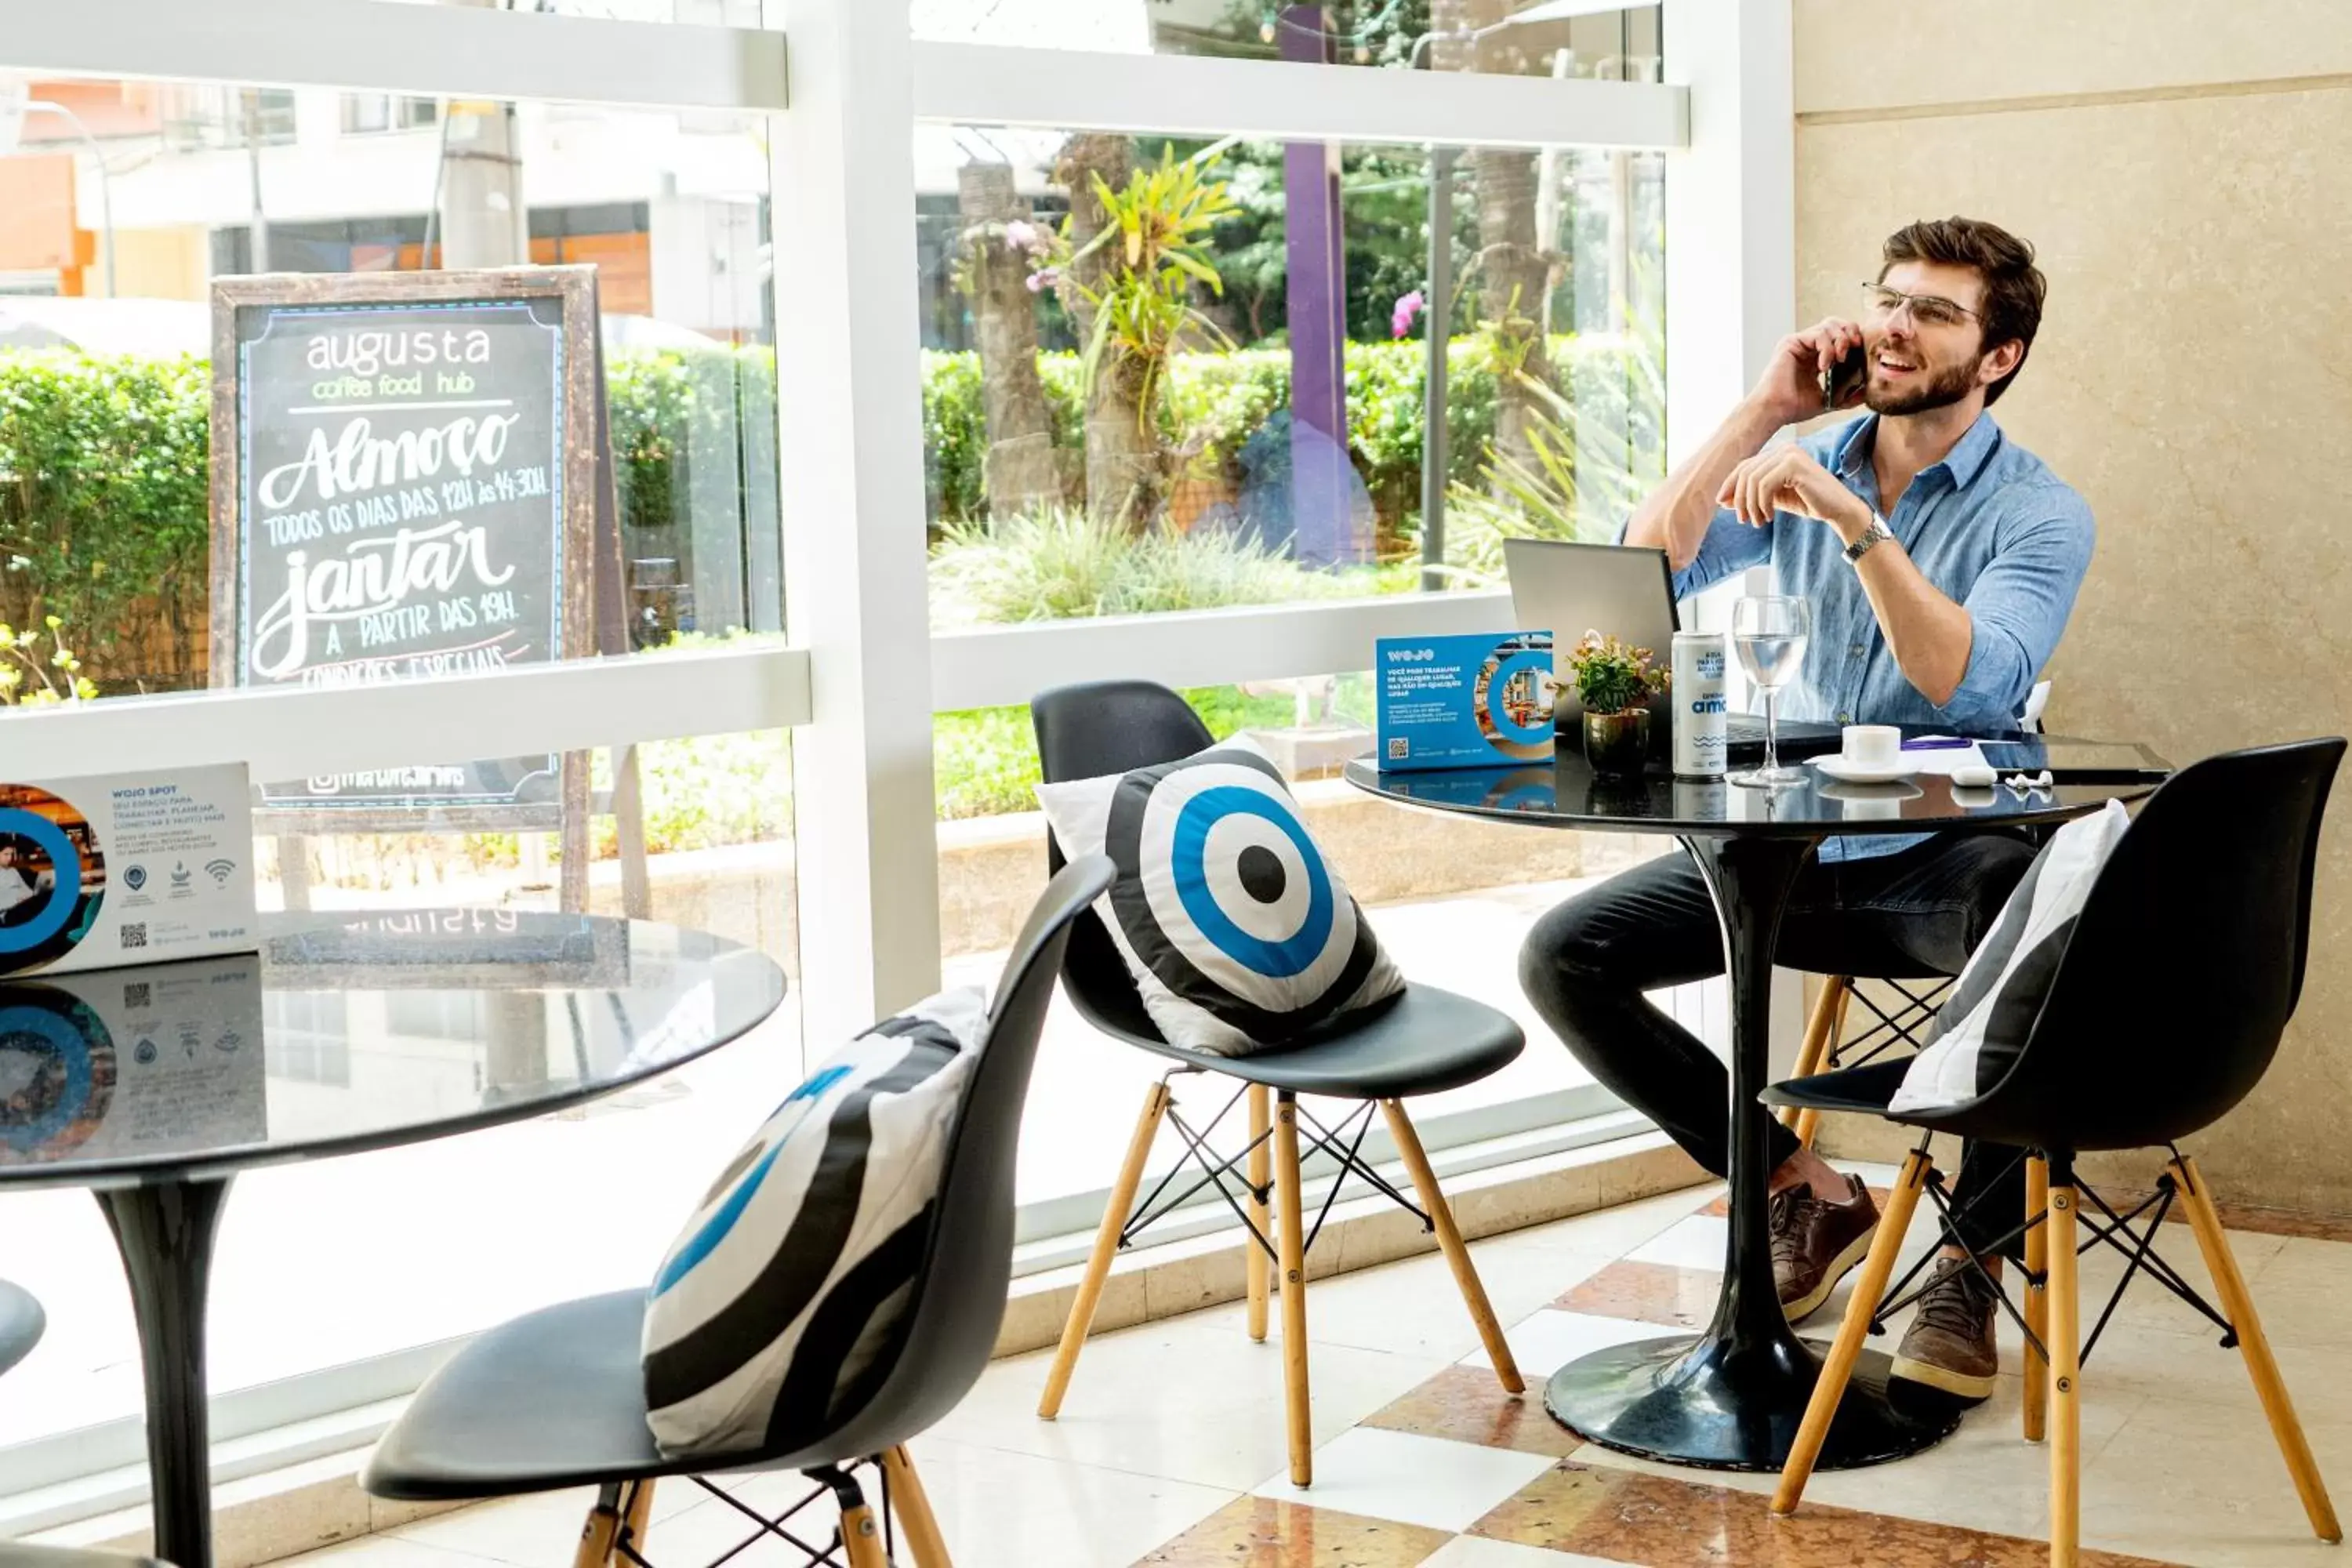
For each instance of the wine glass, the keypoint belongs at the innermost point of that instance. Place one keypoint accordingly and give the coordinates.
(1770, 635)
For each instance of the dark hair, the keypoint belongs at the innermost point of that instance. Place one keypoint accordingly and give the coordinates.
(2014, 287)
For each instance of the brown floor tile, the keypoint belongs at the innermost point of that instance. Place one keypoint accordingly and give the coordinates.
(1648, 1293)
(1630, 1517)
(1263, 1532)
(1466, 1405)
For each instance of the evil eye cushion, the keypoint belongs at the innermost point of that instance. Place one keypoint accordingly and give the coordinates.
(1981, 1030)
(765, 1320)
(1239, 936)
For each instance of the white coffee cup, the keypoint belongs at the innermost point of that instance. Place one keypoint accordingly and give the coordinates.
(1873, 745)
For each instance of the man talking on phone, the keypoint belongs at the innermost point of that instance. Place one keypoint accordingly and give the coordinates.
(1941, 559)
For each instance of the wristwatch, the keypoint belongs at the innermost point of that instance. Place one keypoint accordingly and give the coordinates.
(1875, 534)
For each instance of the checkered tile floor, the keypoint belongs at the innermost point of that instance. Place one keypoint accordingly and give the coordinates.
(1169, 1449)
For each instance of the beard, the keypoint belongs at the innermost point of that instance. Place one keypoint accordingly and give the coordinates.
(1940, 390)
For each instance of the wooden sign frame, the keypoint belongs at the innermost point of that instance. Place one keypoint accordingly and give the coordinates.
(579, 551)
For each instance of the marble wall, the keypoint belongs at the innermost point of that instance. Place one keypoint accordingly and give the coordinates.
(2181, 166)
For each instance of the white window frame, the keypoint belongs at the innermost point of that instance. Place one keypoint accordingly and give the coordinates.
(859, 681)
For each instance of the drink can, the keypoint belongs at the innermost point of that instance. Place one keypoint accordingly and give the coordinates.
(1700, 745)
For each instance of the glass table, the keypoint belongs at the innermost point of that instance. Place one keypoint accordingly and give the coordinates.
(155, 1085)
(1731, 1398)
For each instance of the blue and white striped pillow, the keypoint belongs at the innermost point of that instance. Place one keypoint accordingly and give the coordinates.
(765, 1319)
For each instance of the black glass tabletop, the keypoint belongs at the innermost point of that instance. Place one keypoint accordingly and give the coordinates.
(351, 1031)
(1565, 792)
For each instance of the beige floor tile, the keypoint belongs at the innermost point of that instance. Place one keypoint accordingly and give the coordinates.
(1413, 1308)
(1412, 1479)
(1542, 1343)
(1613, 1232)
(2203, 1484)
(1186, 1400)
(384, 1551)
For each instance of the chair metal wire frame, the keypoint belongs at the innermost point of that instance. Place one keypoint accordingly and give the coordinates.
(1345, 1145)
(2137, 1248)
(1825, 1049)
(623, 1511)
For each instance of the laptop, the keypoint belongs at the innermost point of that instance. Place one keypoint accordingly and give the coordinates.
(1629, 594)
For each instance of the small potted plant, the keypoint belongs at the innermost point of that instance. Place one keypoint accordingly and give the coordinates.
(1616, 683)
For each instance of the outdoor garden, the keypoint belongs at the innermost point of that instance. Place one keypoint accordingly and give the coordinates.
(1114, 440)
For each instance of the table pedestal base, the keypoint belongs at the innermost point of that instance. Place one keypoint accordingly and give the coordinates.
(165, 1233)
(1708, 1401)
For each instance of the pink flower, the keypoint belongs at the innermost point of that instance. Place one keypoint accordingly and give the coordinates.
(1043, 280)
(1020, 235)
(1408, 307)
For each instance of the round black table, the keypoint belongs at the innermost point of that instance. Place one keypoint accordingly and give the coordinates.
(1732, 1397)
(154, 1085)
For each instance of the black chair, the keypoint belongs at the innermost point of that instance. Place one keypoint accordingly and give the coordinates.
(2167, 1007)
(556, 1398)
(21, 1324)
(1426, 1041)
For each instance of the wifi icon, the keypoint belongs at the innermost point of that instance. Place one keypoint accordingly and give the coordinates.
(219, 871)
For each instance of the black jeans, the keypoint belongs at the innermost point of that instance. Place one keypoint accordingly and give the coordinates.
(1917, 912)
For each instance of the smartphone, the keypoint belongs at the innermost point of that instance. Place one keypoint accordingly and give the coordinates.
(1842, 383)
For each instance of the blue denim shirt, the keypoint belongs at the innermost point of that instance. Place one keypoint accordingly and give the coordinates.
(1991, 526)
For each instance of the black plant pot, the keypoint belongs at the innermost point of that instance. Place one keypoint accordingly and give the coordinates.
(1617, 745)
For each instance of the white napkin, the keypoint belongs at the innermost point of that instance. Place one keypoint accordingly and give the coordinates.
(1943, 762)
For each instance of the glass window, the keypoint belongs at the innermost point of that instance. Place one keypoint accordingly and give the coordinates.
(105, 523)
(1216, 421)
(1128, 431)
(1520, 37)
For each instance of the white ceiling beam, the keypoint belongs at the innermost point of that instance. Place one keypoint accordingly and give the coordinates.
(369, 46)
(296, 731)
(981, 84)
(1005, 666)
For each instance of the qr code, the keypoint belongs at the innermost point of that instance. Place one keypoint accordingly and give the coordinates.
(135, 995)
(1399, 747)
(135, 934)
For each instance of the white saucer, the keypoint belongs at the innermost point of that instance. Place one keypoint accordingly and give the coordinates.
(1844, 771)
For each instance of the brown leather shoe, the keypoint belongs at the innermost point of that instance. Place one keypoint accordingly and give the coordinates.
(1816, 1243)
(1950, 1345)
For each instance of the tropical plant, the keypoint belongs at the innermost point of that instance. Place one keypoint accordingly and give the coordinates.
(1157, 231)
(1062, 564)
(32, 679)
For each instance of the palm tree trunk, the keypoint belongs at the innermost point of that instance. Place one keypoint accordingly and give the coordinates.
(1020, 469)
(1514, 264)
(1121, 454)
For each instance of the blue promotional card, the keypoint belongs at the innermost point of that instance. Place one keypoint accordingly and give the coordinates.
(1473, 701)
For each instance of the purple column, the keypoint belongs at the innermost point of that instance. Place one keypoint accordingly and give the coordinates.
(1322, 491)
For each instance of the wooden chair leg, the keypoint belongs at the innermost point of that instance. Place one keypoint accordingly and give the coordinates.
(2065, 1381)
(1114, 1222)
(861, 1537)
(911, 1506)
(1449, 1242)
(1261, 1163)
(2238, 1306)
(2037, 1298)
(600, 1530)
(1815, 1044)
(636, 1517)
(1847, 1348)
(1294, 1289)
(1809, 1120)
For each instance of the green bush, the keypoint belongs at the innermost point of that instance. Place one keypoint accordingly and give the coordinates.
(104, 477)
(985, 760)
(1063, 564)
(1217, 401)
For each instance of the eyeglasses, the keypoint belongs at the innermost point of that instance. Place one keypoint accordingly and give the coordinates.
(1927, 310)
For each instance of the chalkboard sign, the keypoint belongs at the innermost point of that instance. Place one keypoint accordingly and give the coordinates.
(405, 487)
